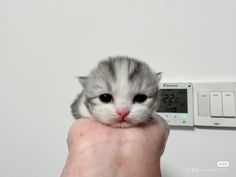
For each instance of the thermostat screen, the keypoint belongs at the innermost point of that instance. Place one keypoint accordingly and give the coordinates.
(173, 100)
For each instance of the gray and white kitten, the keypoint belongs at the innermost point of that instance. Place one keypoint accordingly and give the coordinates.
(119, 92)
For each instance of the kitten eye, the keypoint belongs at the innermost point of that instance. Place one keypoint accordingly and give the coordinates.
(139, 98)
(105, 98)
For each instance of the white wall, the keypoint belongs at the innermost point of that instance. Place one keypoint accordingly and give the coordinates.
(44, 44)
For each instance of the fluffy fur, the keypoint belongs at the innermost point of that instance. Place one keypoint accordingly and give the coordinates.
(123, 78)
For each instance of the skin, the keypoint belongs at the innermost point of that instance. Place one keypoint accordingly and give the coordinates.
(97, 150)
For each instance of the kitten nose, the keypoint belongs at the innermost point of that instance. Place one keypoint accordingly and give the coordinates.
(123, 113)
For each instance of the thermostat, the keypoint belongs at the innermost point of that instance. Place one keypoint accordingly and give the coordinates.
(176, 103)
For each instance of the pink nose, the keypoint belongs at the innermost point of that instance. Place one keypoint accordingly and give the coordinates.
(123, 113)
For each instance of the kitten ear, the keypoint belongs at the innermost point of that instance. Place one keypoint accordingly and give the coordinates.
(83, 80)
(159, 76)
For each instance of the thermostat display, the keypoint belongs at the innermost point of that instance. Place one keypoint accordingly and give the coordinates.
(176, 103)
(173, 100)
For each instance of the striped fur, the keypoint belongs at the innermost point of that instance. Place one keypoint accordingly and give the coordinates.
(123, 78)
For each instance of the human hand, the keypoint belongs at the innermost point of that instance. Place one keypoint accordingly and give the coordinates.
(97, 150)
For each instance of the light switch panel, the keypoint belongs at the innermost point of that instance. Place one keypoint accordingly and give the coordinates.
(221, 101)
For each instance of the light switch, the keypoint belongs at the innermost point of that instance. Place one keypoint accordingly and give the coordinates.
(222, 104)
(228, 104)
(216, 104)
(203, 104)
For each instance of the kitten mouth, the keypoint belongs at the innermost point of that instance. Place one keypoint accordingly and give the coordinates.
(122, 120)
(122, 124)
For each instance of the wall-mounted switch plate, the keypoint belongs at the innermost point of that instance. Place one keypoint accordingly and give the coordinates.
(214, 104)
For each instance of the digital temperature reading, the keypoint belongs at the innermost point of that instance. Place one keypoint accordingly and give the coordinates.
(176, 103)
(173, 100)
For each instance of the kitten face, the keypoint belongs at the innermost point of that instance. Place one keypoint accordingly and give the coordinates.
(121, 92)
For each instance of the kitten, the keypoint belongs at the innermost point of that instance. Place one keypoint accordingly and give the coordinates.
(119, 92)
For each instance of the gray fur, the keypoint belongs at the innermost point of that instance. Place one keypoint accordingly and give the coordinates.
(104, 79)
(75, 105)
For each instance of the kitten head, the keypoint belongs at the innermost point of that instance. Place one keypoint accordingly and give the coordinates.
(121, 92)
